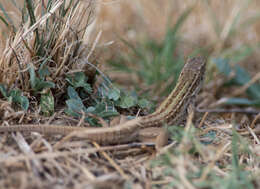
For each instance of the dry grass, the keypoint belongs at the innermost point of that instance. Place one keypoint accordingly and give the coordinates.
(222, 152)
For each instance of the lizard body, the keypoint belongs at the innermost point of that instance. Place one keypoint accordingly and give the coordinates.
(172, 110)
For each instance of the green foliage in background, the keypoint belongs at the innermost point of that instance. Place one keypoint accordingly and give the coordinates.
(229, 65)
(155, 63)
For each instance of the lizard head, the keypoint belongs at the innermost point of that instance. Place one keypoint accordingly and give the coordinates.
(193, 73)
(194, 69)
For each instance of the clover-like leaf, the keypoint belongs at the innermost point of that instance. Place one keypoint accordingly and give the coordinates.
(127, 102)
(17, 97)
(114, 94)
(79, 79)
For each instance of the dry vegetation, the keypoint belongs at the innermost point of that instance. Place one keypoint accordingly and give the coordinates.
(45, 51)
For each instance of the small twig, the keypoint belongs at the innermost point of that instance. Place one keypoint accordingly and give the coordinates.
(82, 119)
(247, 85)
(85, 170)
(48, 155)
(19, 66)
(256, 131)
(203, 119)
(112, 162)
(212, 163)
(219, 128)
(102, 121)
(254, 135)
(252, 125)
(94, 45)
(34, 164)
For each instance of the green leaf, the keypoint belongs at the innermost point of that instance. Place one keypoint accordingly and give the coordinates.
(91, 109)
(73, 94)
(105, 110)
(33, 78)
(15, 93)
(43, 70)
(127, 102)
(222, 65)
(107, 113)
(24, 102)
(143, 103)
(79, 79)
(75, 107)
(74, 104)
(243, 77)
(41, 85)
(102, 110)
(8, 20)
(38, 84)
(47, 104)
(114, 94)
(17, 97)
(243, 101)
(4, 21)
(3, 90)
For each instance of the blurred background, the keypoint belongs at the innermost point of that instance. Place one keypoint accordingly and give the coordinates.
(160, 35)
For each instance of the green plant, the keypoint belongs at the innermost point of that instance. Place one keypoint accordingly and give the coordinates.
(52, 48)
(186, 163)
(104, 104)
(15, 96)
(240, 78)
(157, 64)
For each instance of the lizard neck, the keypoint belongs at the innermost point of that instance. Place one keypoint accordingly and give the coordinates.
(174, 108)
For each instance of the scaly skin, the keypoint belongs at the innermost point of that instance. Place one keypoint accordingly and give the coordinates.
(172, 110)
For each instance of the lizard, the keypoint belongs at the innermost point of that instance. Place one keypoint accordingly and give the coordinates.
(173, 110)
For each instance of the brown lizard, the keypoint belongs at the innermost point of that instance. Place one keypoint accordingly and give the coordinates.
(172, 110)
